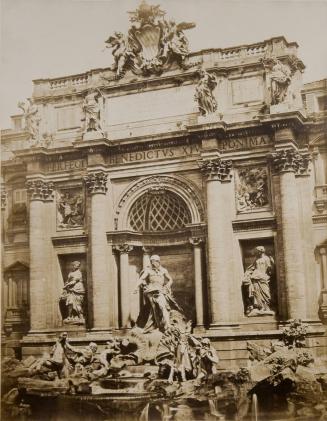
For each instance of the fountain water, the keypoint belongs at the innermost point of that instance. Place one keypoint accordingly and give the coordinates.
(254, 408)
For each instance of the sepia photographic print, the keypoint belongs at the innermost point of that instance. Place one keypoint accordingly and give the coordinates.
(163, 210)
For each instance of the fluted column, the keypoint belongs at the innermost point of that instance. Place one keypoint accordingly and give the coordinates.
(125, 292)
(96, 184)
(40, 192)
(198, 279)
(220, 234)
(286, 163)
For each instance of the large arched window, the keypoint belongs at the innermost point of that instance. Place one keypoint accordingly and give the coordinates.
(159, 211)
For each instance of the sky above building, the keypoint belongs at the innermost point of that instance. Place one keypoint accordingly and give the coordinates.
(53, 38)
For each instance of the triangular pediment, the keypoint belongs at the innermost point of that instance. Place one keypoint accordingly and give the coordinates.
(17, 266)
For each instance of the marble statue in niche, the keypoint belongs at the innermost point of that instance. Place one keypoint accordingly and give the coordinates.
(204, 93)
(73, 295)
(251, 189)
(70, 209)
(256, 284)
(92, 111)
(159, 302)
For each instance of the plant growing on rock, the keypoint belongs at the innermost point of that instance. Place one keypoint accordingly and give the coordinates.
(295, 333)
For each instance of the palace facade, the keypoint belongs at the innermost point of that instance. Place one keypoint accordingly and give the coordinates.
(201, 158)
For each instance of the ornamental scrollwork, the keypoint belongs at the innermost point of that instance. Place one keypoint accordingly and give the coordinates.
(152, 43)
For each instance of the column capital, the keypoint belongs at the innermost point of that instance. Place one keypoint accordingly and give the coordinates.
(123, 248)
(39, 189)
(196, 241)
(323, 250)
(216, 169)
(290, 160)
(147, 250)
(4, 197)
(96, 182)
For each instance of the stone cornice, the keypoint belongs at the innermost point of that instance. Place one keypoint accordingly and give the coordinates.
(71, 240)
(156, 239)
(257, 224)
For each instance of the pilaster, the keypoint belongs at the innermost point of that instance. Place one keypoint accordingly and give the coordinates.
(40, 191)
(286, 163)
(96, 185)
(218, 175)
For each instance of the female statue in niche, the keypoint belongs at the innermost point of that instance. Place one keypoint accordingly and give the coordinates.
(72, 297)
(256, 284)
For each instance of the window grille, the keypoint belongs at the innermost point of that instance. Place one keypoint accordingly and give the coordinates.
(159, 211)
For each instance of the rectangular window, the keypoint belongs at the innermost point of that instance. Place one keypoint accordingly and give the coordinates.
(19, 196)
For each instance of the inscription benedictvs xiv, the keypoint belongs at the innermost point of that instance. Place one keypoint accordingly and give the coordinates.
(249, 142)
(154, 154)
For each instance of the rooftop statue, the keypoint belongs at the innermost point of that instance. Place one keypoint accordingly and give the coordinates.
(32, 120)
(204, 93)
(92, 111)
(152, 43)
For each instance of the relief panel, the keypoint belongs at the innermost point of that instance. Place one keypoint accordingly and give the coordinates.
(70, 208)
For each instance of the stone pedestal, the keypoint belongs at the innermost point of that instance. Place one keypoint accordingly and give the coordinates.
(220, 240)
(39, 191)
(286, 163)
(96, 183)
(125, 293)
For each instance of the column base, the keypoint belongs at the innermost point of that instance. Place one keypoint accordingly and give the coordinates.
(199, 329)
(224, 327)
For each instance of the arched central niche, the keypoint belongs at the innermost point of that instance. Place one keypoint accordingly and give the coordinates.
(159, 203)
(159, 211)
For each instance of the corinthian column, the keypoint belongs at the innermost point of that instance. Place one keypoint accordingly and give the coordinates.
(220, 236)
(286, 163)
(96, 183)
(40, 192)
(125, 293)
(197, 252)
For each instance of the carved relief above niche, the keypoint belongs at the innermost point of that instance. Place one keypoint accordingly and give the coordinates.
(251, 189)
(70, 208)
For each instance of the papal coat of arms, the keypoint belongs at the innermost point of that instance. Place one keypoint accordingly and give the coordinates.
(152, 43)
